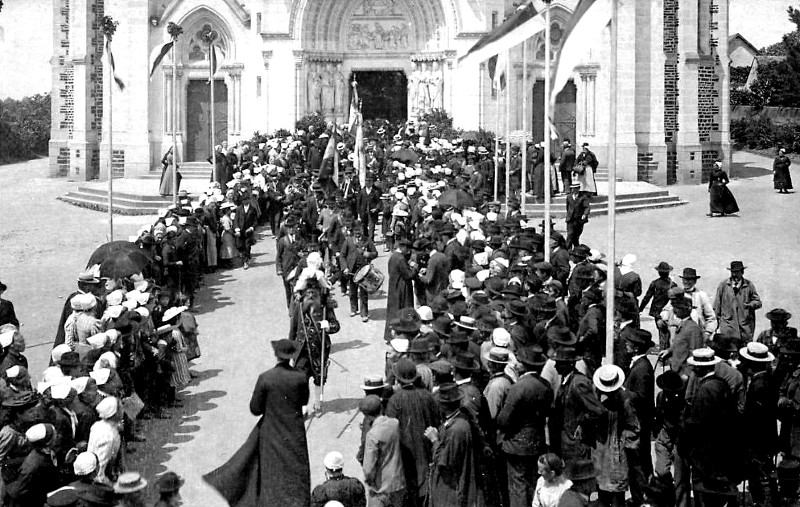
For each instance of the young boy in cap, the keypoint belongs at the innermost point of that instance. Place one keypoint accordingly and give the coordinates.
(779, 331)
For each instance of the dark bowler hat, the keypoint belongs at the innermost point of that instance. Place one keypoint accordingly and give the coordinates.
(562, 336)
(405, 371)
(466, 361)
(690, 274)
(420, 346)
(723, 343)
(21, 400)
(637, 336)
(442, 325)
(459, 308)
(663, 267)
(284, 349)
(439, 305)
(565, 355)
(532, 356)
(736, 266)
(518, 308)
(449, 393)
(70, 359)
(670, 381)
(581, 251)
(457, 336)
(170, 481)
(512, 291)
(441, 367)
(778, 314)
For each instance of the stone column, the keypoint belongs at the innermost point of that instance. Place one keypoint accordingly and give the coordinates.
(85, 135)
(687, 138)
(265, 90)
(299, 86)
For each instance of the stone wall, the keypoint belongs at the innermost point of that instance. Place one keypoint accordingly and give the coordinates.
(671, 22)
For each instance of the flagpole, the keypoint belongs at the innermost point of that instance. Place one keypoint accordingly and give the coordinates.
(524, 170)
(547, 92)
(110, 80)
(612, 187)
(508, 129)
(497, 144)
(175, 120)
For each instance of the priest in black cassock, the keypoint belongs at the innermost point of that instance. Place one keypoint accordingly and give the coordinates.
(401, 286)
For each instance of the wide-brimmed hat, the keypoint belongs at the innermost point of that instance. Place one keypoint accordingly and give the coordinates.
(608, 378)
(512, 290)
(736, 266)
(420, 346)
(449, 393)
(565, 355)
(374, 383)
(703, 357)
(442, 325)
(130, 482)
(87, 277)
(70, 359)
(670, 381)
(466, 322)
(173, 312)
(169, 482)
(637, 336)
(663, 267)
(778, 314)
(581, 251)
(562, 336)
(466, 361)
(498, 355)
(62, 497)
(723, 343)
(690, 274)
(21, 400)
(284, 349)
(438, 305)
(518, 308)
(405, 371)
(532, 356)
(406, 323)
(756, 352)
(457, 336)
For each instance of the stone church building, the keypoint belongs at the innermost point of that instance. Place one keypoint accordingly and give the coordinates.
(281, 59)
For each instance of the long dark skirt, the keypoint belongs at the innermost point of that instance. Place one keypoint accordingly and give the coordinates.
(721, 200)
(782, 179)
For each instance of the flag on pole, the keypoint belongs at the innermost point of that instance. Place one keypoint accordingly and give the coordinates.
(588, 21)
(521, 26)
(113, 67)
(355, 108)
(361, 157)
(497, 71)
(335, 160)
(213, 60)
(328, 156)
(161, 54)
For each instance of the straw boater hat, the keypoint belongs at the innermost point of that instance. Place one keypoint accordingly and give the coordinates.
(703, 357)
(756, 352)
(608, 378)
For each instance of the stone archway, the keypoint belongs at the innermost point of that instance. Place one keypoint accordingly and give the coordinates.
(342, 36)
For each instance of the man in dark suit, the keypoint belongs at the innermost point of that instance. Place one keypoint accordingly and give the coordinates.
(577, 214)
(7, 314)
(565, 165)
(244, 229)
(288, 256)
(356, 253)
(368, 203)
(522, 422)
(641, 384)
(456, 253)
(401, 287)
(436, 275)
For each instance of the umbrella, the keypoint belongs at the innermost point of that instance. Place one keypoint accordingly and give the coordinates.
(119, 259)
(405, 155)
(457, 199)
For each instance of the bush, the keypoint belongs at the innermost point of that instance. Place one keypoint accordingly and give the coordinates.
(24, 128)
(760, 133)
(314, 119)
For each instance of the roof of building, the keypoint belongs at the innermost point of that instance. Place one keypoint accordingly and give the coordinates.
(740, 37)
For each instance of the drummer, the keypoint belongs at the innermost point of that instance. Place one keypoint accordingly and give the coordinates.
(356, 253)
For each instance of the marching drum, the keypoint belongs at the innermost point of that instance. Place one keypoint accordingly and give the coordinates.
(369, 278)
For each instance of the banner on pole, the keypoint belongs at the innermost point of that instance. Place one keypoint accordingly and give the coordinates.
(521, 26)
(113, 66)
(161, 54)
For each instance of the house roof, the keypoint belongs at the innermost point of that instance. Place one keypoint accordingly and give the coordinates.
(738, 36)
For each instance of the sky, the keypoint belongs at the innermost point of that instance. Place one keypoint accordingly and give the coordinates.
(26, 38)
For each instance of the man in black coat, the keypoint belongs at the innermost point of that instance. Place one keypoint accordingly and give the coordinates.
(288, 256)
(272, 468)
(7, 314)
(368, 203)
(244, 229)
(338, 487)
(401, 284)
(522, 422)
(565, 165)
(577, 214)
(640, 382)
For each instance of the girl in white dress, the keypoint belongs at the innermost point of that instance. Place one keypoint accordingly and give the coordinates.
(552, 483)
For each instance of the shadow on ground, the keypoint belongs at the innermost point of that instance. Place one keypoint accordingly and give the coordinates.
(747, 170)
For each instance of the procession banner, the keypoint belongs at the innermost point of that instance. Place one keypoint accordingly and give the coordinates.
(361, 158)
(354, 109)
(114, 67)
(161, 54)
(497, 71)
(522, 25)
(588, 21)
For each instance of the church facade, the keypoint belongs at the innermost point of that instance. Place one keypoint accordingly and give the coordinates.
(280, 60)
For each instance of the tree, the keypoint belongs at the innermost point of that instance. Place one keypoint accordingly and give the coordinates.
(24, 127)
(775, 85)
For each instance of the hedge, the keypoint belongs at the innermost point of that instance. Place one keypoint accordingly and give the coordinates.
(761, 133)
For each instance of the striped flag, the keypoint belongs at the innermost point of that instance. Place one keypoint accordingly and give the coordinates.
(521, 26)
(113, 67)
(588, 21)
(161, 54)
(329, 157)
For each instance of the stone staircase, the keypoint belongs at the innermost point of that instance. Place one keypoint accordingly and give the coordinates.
(189, 171)
(602, 175)
(640, 197)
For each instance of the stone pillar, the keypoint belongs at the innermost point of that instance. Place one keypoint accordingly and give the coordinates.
(266, 56)
(687, 138)
(84, 143)
(447, 83)
(585, 104)
(62, 92)
(299, 86)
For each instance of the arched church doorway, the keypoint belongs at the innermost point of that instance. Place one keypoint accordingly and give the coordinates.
(198, 117)
(383, 94)
(563, 115)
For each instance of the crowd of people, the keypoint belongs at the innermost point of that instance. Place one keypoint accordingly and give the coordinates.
(494, 389)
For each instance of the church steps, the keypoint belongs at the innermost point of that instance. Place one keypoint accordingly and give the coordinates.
(625, 204)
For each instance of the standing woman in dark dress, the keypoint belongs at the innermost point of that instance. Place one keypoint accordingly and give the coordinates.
(721, 200)
(165, 187)
(781, 178)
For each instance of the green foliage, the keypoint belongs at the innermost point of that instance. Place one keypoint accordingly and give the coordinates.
(282, 133)
(739, 76)
(760, 133)
(776, 82)
(24, 128)
(314, 119)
